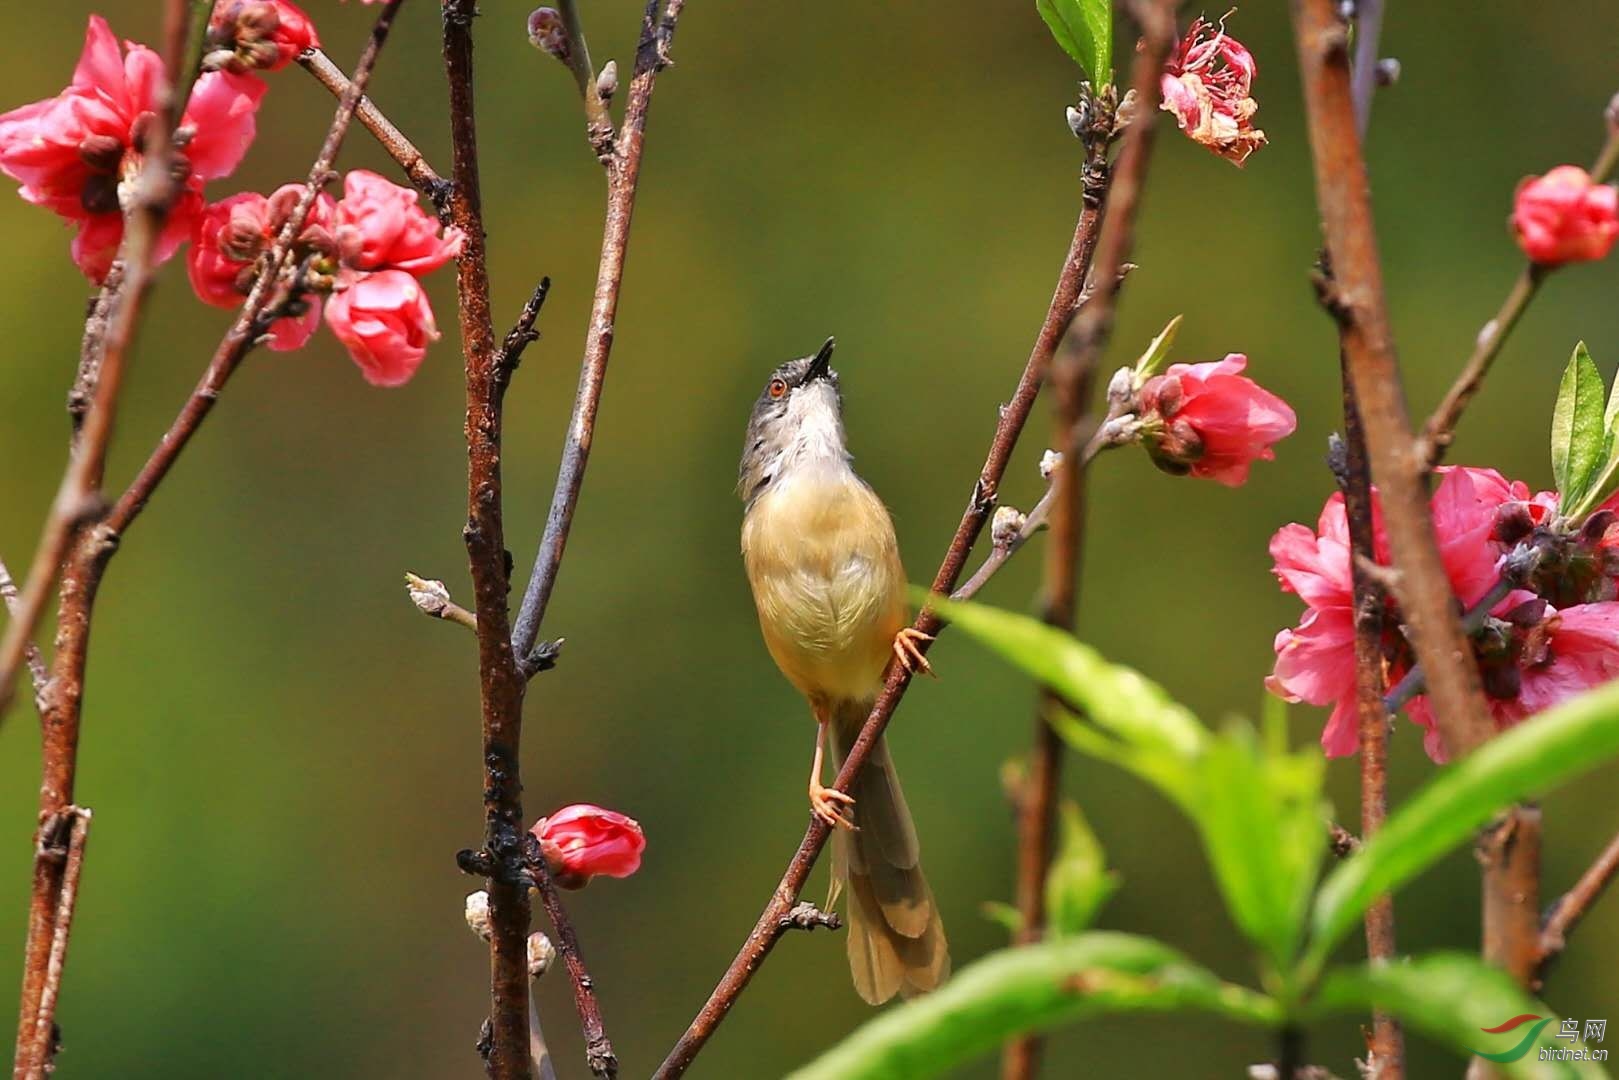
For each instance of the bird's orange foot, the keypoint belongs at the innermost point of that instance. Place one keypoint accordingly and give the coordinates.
(824, 801)
(909, 655)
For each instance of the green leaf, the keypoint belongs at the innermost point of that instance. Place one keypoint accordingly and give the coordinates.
(1157, 350)
(1078, 883)
(1028, 988)
(1084, 28)
(1260, 814)
(1526, 761)
(1579, 429)
(1452, 997)
(1262, 820)
(1003, 914)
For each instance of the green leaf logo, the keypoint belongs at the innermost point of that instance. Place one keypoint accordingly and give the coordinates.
(1524, 1044)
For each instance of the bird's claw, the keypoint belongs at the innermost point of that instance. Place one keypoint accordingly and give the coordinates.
(909, 654)
(824, 801)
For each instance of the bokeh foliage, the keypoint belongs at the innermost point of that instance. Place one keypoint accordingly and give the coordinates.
(282, 754)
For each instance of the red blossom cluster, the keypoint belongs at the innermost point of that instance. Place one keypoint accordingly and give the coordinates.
(80, 153)
(1536, 646)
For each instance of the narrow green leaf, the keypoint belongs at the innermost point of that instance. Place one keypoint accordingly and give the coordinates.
(1157, 350)
(1579, 428)
(1002, 914)
(1526, 761)
(1084, 28)
(1262, 819)
(1078, 883)
(1452, 997)
(1032, 987)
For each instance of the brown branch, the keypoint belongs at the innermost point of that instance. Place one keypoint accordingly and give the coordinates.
(94, 546)
(1509, 853)
(576, 55)
(598, 1049)
(78, 498)
(401, 149)
(36, 664)
(1356, 296)
(500, 683)
(65, 845)
(1073, 375)
(95, 337)
(1385, 1044)
(1572, 906)
(1127, 179)
(623, 176)
(1440, 428)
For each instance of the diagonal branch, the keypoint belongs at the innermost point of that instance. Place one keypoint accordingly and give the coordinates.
(36, 664)
(623, 177)
(1573, 906)
(1157, 37)
(391, 139)
(1440, 428)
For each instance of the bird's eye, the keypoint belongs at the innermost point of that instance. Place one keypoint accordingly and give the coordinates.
(778, 389)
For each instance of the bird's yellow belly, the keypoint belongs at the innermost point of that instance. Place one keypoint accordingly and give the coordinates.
(827, 582)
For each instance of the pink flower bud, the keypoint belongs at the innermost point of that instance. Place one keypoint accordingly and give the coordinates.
(381, 227)
(386, 323)
(1565, 217)
(266, 35)
(1209, 420)
(581, 841)
(547, 32)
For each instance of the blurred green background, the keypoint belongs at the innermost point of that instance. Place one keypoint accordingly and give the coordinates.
(283, 755)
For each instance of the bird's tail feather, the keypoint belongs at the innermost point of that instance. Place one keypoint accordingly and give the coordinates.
(896, 938)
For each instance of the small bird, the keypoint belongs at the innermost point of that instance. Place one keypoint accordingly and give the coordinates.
(824, 566)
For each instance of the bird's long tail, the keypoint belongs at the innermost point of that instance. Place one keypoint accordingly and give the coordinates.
(896, 938)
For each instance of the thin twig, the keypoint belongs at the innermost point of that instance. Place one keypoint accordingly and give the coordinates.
(401, 149)
(432, 597)
(77, 823)
(1158, 35)
(598, 1049)
(500, 683)
(1356, 298)
(94, 340)
(1440, 428)
(1385, 1044)
(598, 121)
(81, 577)
(522, 334)
(1572, 906)
(36, 664)
(623, 176)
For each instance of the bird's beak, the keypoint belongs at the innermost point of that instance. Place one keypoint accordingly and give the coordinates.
(822, 362)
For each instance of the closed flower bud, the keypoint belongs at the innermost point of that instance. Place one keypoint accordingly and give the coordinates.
(1565, 217)
(607, 81)
(547, 33)
(541, 954)
(1048, 463)
(478, 914)
(1006, 525)
(581, 841)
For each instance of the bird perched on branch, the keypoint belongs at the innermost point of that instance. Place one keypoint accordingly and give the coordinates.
(825, 570)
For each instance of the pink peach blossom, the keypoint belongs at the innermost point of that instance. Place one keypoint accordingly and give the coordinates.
(1565, 217)
(380, 227)
(1210, 420)
(1207, 85)
(385, 322)
(77, 153)
(581, 841)
(258, 34)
